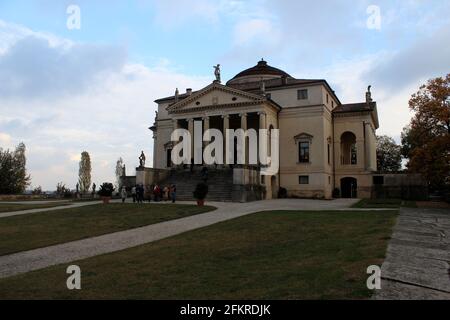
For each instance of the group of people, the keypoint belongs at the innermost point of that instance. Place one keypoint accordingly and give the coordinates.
(155, 192)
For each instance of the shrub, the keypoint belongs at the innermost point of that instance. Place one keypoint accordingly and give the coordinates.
(106, 190)
(336, 193)
(282, 193)
(201, 191)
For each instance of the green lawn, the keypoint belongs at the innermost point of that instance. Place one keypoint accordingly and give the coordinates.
(9, 207)
(25, 232)
(270, 255)
(384, 203)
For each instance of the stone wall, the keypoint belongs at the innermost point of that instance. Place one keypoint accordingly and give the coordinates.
(401, 186)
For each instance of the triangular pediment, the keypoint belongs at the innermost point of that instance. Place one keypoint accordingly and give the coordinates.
(215, 94)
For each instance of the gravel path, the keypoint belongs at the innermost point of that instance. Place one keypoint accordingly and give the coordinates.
(63, 253)
(417, 265)
(29, 211)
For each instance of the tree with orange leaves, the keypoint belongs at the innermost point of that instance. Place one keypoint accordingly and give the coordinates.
(426, 141)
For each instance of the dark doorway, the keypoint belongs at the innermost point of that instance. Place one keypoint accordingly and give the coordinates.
(349, 188)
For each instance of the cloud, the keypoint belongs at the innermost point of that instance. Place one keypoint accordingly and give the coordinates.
(34, 66)
(425, 59)
(5, 140)
(106, 110)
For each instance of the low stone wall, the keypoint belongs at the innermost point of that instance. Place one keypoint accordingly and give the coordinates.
(306, 194)
(400, 186)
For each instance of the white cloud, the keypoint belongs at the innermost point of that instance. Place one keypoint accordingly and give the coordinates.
(108, 115)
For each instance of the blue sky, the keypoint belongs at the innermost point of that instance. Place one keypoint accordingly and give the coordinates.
(92, 89)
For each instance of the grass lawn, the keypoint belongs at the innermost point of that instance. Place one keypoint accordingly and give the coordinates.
(9, 207)
(269, 255)
(384, 203)
(25, 232)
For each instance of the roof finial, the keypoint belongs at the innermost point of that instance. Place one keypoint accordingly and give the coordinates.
(176, 95)
(369, 95)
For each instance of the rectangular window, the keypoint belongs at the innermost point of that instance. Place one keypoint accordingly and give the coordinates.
(332, 104)
(303, 179)
(302, 94)
(327, 98)
(328, 153)
(303, 152)
(263, 179)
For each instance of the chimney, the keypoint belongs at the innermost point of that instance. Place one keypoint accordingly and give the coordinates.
(188, 91)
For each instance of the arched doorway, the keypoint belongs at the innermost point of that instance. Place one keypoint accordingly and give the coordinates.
(349, 187)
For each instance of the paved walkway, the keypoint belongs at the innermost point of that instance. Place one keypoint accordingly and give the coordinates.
(417, 265)
(28, 211)
(63, 253)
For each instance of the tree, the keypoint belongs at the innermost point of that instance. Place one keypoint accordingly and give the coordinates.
(426, 141)
(119, 172)
(389, 155)
(13, 173)
(84, 173)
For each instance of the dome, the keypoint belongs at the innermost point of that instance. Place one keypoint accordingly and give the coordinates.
(261, 71)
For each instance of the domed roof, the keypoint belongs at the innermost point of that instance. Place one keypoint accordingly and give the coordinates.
(262, 69)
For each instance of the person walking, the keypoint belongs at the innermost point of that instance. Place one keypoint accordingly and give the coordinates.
(140, 194)
(156, 193)
(173, 193)
(166, 193)
(124, 194)
(133, 194)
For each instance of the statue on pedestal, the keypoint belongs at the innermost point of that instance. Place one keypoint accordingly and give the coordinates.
(217, 72)
(142, 160)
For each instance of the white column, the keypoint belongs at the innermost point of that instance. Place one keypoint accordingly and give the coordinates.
(191, 132)
(244, 127)
(226, 126)
(263, 125)
(262, 120)
(205, 124)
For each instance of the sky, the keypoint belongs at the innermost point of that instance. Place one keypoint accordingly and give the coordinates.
(69, 85)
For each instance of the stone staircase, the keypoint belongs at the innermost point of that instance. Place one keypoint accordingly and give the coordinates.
(220, 183)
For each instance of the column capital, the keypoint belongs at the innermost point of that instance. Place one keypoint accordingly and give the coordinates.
(243, 114)
(206, 117)
(225, 116)
(262, 113)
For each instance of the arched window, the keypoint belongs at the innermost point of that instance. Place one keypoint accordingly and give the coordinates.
(348, 149)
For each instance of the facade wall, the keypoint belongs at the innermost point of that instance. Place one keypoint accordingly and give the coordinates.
(312, 117)
(310, 121)
(287, 98)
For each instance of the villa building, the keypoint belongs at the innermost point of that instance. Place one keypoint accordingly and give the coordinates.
(323, 144)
